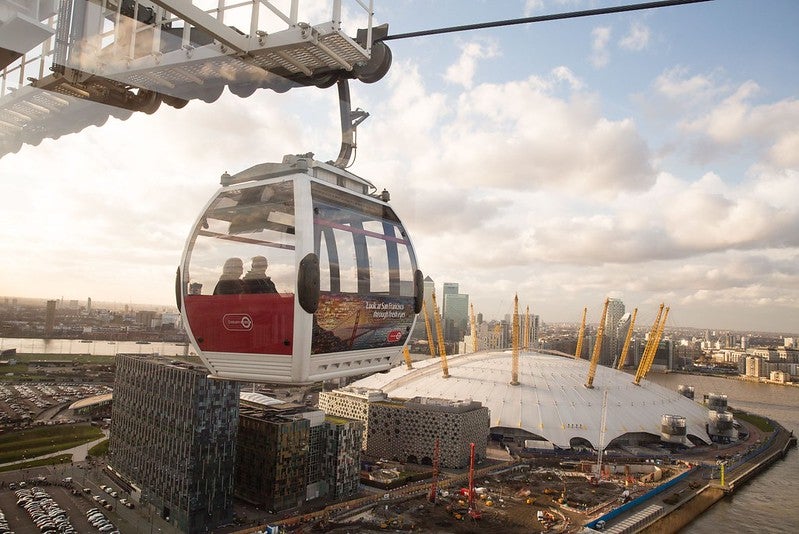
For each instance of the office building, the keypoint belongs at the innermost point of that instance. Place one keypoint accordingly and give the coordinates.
(455, 316)
(288, 454)
(406, 429)
(613, 332)
(173, 438)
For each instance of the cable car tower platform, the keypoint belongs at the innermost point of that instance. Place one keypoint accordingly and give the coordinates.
(69, 64)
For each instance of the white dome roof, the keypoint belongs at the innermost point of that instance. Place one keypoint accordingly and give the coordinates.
(551, 399)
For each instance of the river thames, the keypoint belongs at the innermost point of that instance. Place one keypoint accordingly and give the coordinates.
(768, 502)
(98, 348)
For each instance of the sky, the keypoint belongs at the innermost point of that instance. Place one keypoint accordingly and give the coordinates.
(651, 156)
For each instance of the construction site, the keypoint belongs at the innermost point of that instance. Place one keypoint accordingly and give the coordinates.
(545, 492)
(568, 442)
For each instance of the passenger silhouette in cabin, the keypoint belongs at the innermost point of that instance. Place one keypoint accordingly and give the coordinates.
(230, 282)
(256, 280)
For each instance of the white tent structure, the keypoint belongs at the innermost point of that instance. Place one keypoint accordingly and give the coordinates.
(551, 400)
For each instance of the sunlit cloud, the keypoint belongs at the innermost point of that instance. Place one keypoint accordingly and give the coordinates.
(463, 70)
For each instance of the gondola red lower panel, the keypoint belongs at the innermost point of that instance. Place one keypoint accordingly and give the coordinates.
(250, 323)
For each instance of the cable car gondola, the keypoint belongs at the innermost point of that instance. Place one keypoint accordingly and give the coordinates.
(295, 273)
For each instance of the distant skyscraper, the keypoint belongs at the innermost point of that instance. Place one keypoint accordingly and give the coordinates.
(450, 288)
(49, 319)
(173, 436)
(89, 306)
(455, 315)
(612, 323)
(420, 331)
(622, 329)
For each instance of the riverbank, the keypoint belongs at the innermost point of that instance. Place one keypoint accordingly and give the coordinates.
(676, 504)
(715, 491)
(742, 378)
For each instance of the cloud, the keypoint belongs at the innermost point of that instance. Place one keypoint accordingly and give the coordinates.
(677, 84)
(463, 70)
(534, 139)
(769, 130)
(600, 56)
(637, 37)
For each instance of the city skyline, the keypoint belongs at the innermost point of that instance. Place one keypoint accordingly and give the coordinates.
(593, 322)
(650, 156)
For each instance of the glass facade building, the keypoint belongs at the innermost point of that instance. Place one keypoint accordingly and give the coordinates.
(173, 437)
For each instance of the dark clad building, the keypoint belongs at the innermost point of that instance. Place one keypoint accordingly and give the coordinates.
(173, 438)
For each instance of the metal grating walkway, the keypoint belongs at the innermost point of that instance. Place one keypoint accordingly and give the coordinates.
(68, 64)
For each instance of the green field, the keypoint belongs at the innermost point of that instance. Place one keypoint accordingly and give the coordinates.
(39, 441)
(23, 371)
(79, 358)
(760, 422)
(53, 460)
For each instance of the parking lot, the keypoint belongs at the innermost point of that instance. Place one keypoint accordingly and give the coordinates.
(72, 498)
(23, 405)
(21, 522)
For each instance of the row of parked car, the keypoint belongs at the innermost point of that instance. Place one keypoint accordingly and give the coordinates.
(44, 511)
(4, 528)
(113, 493)
(99, 521)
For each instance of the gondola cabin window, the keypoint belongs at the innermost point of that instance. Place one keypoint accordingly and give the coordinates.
(366, 273)
(241, 273)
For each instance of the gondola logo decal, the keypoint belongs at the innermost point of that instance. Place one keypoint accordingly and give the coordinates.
(240, 322)
(394, 336)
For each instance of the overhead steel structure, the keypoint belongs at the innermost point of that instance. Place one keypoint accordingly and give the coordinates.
(68, 64)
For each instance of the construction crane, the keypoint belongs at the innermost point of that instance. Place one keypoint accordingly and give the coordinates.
(474, 513)
(434, 484)
(498, 336)
(473, 323)
(656, 343)
(625, 349)
(430, 342)
(602, 425)
(639, 374)
(514, 381)
(597, 347)
(579, 352)
(526, 344)
(442, 350)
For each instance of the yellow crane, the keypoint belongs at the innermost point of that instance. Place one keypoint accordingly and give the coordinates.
(579, 352)
(441, 348)
(498, 337)
(514, 381)
(626, 348)
(639, 374)
(597, 347)
(474, 327)
(656, 343)
(430, 340)
(526, 344)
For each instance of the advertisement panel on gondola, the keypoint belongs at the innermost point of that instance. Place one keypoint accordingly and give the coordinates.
(346, 321)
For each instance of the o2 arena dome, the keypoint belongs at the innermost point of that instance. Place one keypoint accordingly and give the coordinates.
(551, 401)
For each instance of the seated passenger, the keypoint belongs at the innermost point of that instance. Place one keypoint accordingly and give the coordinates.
(256, 281)
(230, 282)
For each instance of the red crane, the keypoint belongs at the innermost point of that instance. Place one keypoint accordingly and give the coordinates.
(474, 513)
(434, 485)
